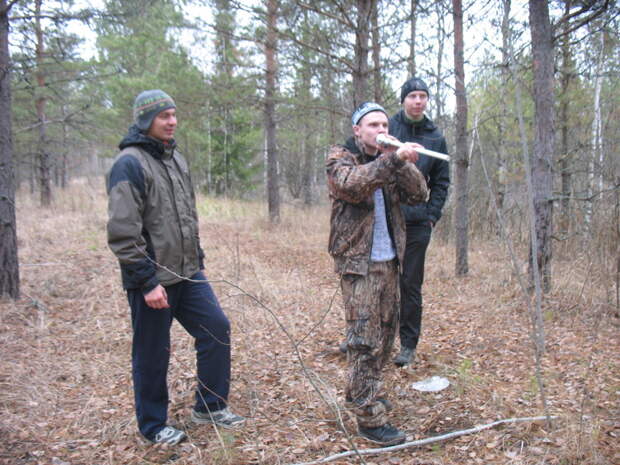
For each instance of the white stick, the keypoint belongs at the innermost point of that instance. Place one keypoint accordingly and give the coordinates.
(421, 442)
(384, 141)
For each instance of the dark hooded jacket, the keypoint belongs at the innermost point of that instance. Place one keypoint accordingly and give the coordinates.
(352, 178)
(153, 225)
(436, 172)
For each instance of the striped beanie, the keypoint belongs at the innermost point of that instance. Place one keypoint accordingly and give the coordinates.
(148, 105)
(363, 110)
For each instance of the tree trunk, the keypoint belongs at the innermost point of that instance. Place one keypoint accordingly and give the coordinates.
(273, 194)
(360, 72)
(461, 219)
(503, 121)
(542, 165)
(376, 55)
(441, 37)
(565, 168)
(414, 17)
(45, 182)
(9, 265)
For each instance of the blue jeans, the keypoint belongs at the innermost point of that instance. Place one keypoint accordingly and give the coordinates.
(196, 308)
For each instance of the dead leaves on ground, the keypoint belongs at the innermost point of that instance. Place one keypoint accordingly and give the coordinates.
(66, 385)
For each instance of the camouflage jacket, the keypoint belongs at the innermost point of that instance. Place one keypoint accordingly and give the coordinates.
(352, 178)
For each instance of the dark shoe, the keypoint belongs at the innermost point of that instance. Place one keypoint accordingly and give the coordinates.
(344, 345)
(386, 403)
(385, 435)
(405, 357)
(169, 435)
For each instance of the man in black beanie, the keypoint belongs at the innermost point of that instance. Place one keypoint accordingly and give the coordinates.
(153, 231)
(410, 124)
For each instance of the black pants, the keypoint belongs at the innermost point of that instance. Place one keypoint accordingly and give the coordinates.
(194, 305)
(411, 279)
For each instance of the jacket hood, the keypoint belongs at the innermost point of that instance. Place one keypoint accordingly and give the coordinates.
(155, 147)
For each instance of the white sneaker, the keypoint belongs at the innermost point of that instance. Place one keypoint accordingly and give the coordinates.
(224, 418)
(169, 435)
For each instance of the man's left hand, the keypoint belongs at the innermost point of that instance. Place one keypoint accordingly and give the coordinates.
(408, 152)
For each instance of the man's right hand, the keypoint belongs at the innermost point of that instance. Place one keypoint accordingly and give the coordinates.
(157, 297)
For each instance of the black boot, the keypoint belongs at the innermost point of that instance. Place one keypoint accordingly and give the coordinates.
(385, 435)
(343, 346)
(405, 357)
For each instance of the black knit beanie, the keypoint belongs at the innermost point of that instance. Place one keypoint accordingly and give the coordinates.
(412, 84)
(148, 105)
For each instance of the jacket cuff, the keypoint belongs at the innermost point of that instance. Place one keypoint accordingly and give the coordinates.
(151, 284)
(396, 160)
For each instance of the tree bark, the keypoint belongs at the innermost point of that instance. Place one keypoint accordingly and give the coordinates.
(376, 55)
(273, 194)
(503, 121)
(9, 264)
(412, 38)
(461, 220)
(45, 182)
(565, 169)
(441, 37)
(542, 164)
(360, 72)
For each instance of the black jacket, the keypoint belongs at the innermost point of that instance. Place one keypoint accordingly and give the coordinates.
(436, 172)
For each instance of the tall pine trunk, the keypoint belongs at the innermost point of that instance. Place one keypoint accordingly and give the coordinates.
(412, 38)
(565, 156)
(9, 265)
(45, 170)
(273, 193)
(542, 162)
(362, 34)
(376, 56)
(461, 219)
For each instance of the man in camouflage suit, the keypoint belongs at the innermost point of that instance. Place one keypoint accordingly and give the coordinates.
(366, 184)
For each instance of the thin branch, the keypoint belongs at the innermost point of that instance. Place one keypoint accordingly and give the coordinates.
(583, 9)
(422, 442)
(347, 22)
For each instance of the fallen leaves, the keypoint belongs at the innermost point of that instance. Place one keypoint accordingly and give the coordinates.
(66, 393)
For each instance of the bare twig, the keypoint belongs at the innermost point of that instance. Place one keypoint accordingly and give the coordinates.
(422, 442)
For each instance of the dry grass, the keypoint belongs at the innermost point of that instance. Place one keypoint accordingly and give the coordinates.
(66, 394)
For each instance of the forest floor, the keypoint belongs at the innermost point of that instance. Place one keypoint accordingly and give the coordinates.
(66, 395)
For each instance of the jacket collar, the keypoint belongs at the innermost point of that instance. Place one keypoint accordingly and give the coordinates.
(426, 122)
(153, 147)
(352, 146)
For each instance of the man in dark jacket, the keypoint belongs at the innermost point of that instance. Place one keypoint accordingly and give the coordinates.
(367, 242)
(410, 124)
(153, 231)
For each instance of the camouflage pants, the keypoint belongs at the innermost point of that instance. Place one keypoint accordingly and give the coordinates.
(371, 305)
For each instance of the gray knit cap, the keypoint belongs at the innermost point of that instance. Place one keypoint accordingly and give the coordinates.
(148, 105)
(412, 84)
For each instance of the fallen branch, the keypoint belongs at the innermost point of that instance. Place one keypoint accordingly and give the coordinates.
(422, 442)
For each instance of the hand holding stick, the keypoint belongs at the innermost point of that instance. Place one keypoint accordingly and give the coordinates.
(384, 141)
